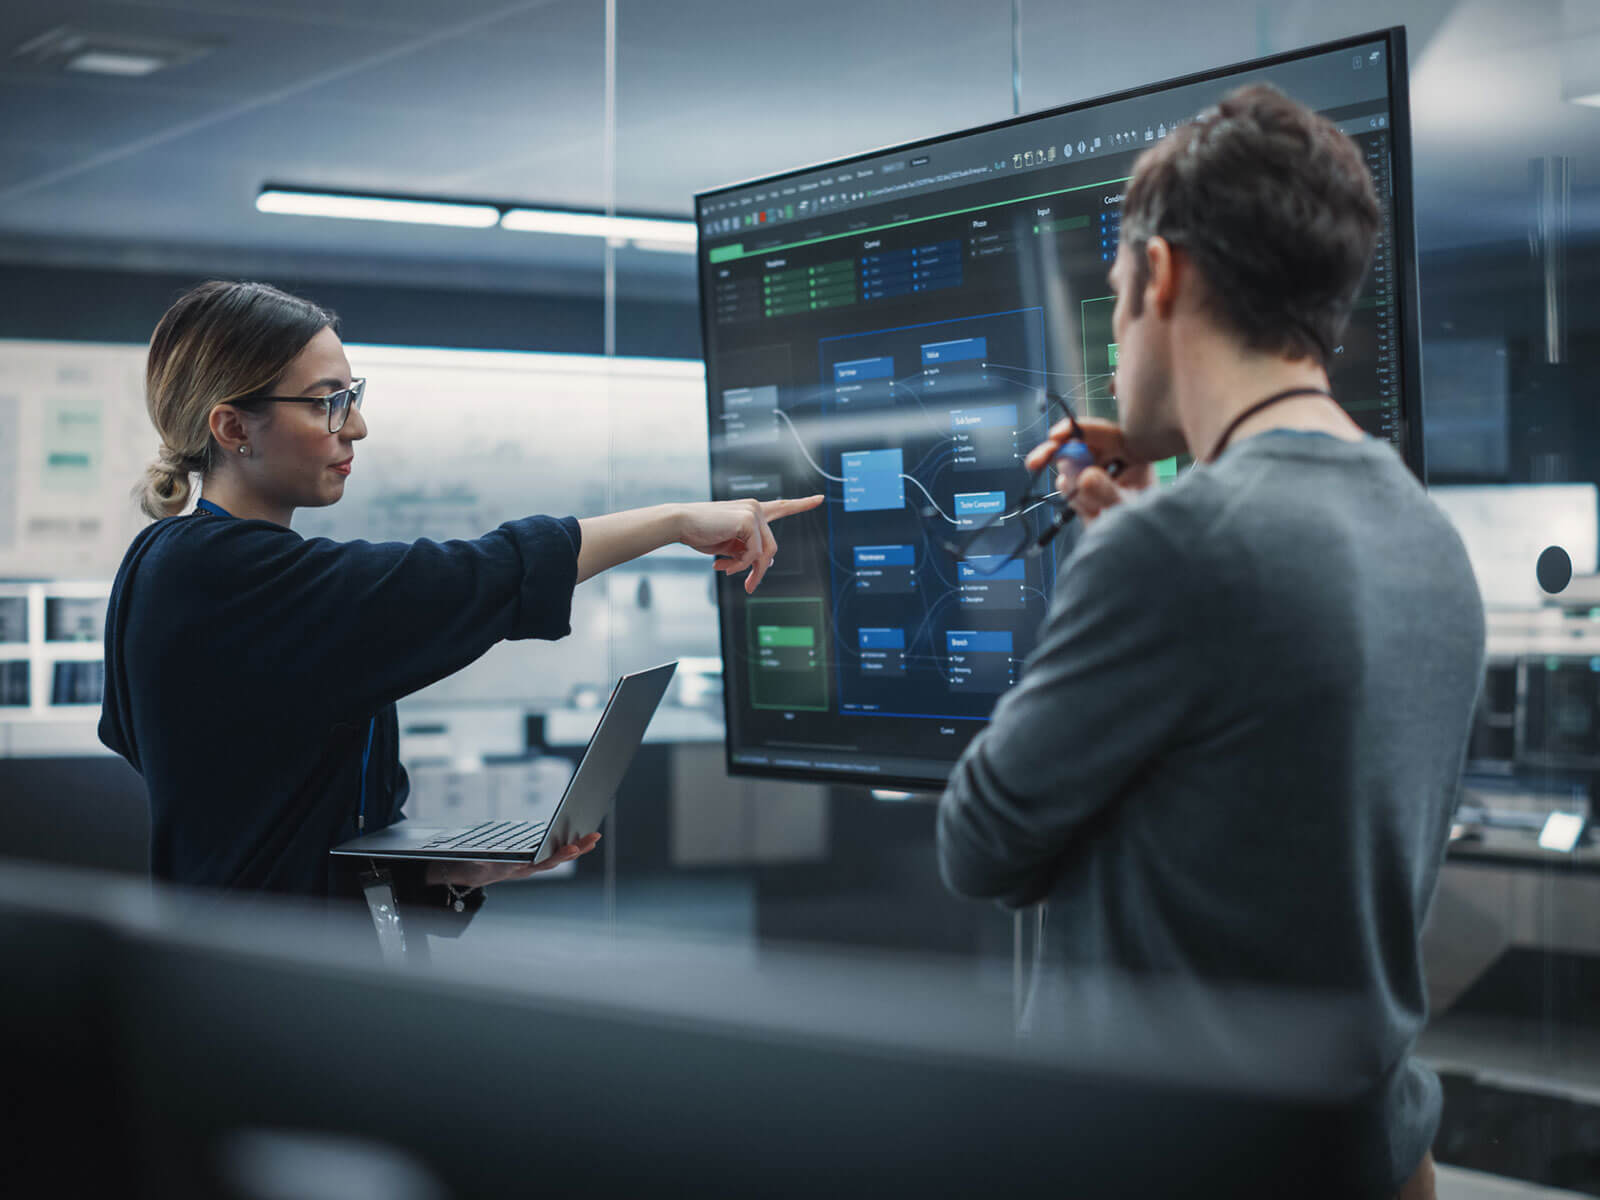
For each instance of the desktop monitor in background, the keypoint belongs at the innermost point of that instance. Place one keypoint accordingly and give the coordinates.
(882, 329)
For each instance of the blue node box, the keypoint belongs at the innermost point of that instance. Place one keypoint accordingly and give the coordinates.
(883, 651)
(960, 350)
(985, 437)
(980, 660)
(886, 569)
(991, 416)
(988, 580)
(973, 508)
(979, 641)
(862, 382)
(872, 480)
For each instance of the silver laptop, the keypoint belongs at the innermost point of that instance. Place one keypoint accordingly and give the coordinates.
(583, 806)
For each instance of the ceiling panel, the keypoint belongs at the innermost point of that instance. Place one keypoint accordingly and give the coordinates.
(255, 53)
(504, 101)
(88, 118)
(22, 160)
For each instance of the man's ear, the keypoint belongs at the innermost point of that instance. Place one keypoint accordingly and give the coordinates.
(228, 428)
(1162, 270)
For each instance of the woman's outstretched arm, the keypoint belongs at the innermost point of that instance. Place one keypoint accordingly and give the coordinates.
(737, 533)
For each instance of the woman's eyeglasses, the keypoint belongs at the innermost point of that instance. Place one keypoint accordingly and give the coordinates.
(338, 403)
(992, 544)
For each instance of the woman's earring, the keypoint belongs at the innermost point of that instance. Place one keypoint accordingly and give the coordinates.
(244, 450)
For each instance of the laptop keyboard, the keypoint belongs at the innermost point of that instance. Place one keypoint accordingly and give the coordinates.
(498, 837)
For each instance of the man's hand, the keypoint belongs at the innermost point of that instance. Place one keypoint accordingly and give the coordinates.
(1091, 490)
(738, 533)
(482, 874)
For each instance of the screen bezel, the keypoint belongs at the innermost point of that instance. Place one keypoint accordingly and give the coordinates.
(1406, 287)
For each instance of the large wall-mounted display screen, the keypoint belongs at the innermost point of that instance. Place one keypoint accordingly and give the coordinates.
(884, 330)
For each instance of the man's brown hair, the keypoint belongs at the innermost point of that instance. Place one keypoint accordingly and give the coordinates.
(1277, 210)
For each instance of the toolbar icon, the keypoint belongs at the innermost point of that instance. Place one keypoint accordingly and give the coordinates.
(1083, 147)
(1067, 150)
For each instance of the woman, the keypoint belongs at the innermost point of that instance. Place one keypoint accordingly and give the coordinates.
(251, 674)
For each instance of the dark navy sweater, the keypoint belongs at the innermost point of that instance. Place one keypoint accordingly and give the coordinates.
(245, 664)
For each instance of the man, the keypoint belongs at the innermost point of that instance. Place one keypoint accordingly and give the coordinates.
(1232, 760)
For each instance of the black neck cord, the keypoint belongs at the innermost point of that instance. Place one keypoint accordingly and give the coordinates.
(1276, 398)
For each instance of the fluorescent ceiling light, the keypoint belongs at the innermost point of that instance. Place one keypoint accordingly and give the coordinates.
(687, 247)
(1592, 100)
(114, 62)
(645, 232)
(74, 48)
(377, 208)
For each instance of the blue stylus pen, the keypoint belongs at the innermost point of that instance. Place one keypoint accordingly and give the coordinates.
(1078, 454)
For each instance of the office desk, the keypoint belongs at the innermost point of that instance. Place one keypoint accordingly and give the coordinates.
(1501, 891)
(1514, 848)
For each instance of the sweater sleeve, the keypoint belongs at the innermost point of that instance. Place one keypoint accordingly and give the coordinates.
(1100, 696)
(349, 627)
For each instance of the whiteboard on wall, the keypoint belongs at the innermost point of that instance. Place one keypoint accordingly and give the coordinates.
(74, 441)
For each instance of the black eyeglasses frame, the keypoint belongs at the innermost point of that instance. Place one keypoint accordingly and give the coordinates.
(339, 403)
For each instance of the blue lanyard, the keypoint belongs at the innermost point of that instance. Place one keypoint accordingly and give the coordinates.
(361, 814)
(372, 725)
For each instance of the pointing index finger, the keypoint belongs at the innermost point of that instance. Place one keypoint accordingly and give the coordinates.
(773, 509)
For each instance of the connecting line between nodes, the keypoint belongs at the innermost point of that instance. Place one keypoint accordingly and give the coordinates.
(804, 451)
(1024, 512)
(927, 620)
(1053, 374)
(931, 500)
(905, 387)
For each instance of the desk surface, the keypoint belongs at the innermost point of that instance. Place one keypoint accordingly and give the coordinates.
(1519, 848)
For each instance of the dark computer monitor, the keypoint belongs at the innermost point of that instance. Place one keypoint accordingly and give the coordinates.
(882, 328)
(173, 1044)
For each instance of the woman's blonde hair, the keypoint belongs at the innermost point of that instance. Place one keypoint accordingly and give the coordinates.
(220, 343)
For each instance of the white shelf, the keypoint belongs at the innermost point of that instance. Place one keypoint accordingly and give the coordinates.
(40, 727)
(52, 736)
(72, 651)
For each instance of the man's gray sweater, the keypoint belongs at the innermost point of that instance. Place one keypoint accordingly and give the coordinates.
(1232, 760)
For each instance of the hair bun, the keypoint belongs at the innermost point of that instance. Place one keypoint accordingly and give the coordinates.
(165, 489)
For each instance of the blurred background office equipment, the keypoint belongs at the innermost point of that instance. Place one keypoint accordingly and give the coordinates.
(118, 191)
